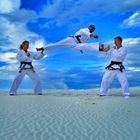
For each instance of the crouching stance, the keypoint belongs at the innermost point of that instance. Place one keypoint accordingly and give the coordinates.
(117, 55)
(25, 57)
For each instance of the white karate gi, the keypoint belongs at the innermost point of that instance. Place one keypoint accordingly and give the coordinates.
(22, 57)
(72, 42)
(117, 55)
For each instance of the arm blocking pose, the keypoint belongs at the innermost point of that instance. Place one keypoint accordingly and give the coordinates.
(25, 58)
(115, 68)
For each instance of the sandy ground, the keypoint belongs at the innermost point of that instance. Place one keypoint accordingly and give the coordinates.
(70, 115)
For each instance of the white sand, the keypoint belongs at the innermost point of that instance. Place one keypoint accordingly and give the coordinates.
(70, 115)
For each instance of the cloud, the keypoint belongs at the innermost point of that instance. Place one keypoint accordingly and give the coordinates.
(134, 69)
(8, 72)
(7, 6)
(13, 26)
(8, 57)
(14, 34)
(80, 10)
(69, 78)
(21, 16)
(133, 46)
(51, 78)
(130, 42)
(132, 21)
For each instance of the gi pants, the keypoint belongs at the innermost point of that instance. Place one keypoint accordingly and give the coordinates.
(73, 43)
(109, 77)
(19, 77)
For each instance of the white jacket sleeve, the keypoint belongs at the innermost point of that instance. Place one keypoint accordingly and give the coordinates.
(38, 55)
(108, 53)
(21, 57)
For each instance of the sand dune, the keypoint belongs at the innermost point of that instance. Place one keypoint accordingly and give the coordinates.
(59, 115)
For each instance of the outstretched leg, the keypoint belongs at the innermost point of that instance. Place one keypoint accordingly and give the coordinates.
(68, 42)
(88, 46)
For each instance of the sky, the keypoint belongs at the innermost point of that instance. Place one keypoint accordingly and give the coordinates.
(48, 21)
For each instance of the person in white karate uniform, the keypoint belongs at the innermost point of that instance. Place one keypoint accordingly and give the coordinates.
(77, 41)
(25, 58)
(117, 54)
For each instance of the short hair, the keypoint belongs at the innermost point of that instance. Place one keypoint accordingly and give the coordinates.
(118, 37)
(21, 46)
(92, 26)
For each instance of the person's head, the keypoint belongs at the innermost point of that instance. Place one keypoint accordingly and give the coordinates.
(118, 41)
(91, 28)
(24, 45)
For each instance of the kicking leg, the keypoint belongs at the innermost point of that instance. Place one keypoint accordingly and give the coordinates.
(87, 46)
(68, 42)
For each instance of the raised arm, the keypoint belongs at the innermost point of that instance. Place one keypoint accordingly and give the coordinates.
(94, 36)
(107, 51)
(38, 55)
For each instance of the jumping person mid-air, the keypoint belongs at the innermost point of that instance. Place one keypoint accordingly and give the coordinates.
(25, 58)
(115, 68)
(77, 41)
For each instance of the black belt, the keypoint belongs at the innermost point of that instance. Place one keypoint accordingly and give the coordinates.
(23, 64)
(77, 38)
(121, 67)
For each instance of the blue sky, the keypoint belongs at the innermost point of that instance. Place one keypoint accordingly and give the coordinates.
(46, 21)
